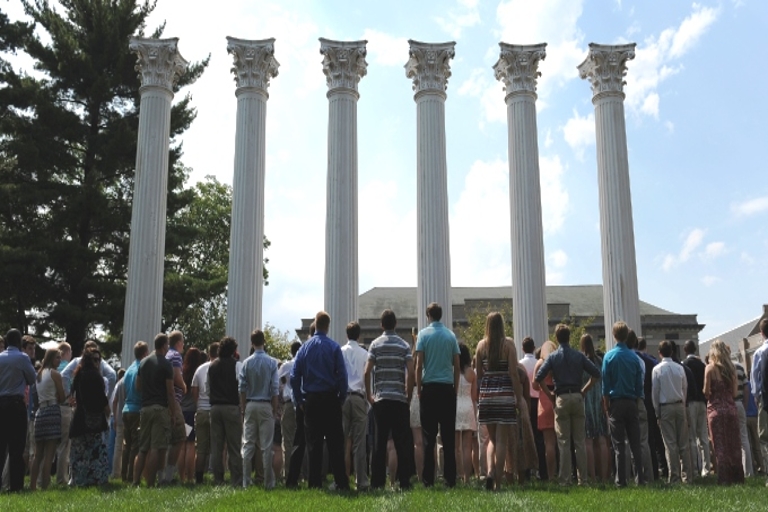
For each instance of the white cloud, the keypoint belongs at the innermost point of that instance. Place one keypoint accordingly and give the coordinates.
(558, 259)
(548, 140)
(692, 242)
(479, 85)
(751, 207)
(579, 132)
(714, 250)
(555, 265)
(554, 196)
(657, 58)
(475, 84)
(670, 126)
(480, 229)
(710, 280)
(465, 15)
(385, 49)
(747, 258)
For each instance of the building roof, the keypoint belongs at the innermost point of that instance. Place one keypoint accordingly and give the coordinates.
(583, 300)
(734, 336)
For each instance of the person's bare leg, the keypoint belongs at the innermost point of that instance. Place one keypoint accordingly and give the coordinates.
(605, 458)
(50, 453)
(190, 462)
(392, 462)
(502, 434)
(457, 453)
(476, 455)
(277, 461)
(35, 469)
(466, 448)
(512, 448)
(550, 444)
(589, 445)
(418, 450)
(155, 464)
(138, 467)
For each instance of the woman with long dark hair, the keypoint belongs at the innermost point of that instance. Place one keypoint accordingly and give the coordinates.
(88, 455)
(186, 463)
(500, 395)
(466, 414)
(50, 393)
(596, 422)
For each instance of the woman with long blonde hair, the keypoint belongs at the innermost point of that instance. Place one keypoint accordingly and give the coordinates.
(500, 395)
(50, 393)
(720, 387)
(546, 418)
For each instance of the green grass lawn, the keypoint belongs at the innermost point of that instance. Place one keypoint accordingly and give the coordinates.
(705, 495)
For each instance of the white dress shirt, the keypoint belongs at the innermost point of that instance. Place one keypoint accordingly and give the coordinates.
(669, 383)
(756, 379)
(285, 371)
(529, 362)
(355, 358)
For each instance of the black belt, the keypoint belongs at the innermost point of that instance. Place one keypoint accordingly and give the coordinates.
(671, 403)
(266, 401)
(11, 399)
(567, 391)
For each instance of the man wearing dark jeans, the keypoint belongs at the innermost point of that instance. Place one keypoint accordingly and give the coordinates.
(319, 382)
(622, 387)
(391, 365)
(437, 381)
(16, 373)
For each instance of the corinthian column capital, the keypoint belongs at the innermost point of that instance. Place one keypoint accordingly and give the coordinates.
(159, 62)
(605, 67)
(429, 65)
(254, 62)
(518, 66)
(343, 63)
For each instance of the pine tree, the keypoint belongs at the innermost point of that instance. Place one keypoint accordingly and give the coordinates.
(68, 147)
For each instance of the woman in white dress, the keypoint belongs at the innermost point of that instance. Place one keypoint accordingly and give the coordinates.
(466, 414)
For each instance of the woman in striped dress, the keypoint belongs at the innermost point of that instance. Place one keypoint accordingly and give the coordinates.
(50, 393)
(500, 395)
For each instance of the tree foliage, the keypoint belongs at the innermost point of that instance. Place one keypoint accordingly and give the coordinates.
(67, 158)
(278, 343)
(474, 331)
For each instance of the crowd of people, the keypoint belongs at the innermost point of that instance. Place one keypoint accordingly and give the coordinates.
(427, 408)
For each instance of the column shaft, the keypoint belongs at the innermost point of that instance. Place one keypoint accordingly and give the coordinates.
(620, 294)
(529, 300)
(341, 250)
(434, 254)
(246, 251)
(146, 254)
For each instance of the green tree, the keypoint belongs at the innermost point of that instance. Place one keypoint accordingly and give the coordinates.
(68, 147)
(278, 343)
(474, 331)
(197, 262)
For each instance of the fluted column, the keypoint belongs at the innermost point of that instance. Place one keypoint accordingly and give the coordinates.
(429, 68)
(254, 66)
(159, 65)
(517, 67)
(605, 68)
(343, 65)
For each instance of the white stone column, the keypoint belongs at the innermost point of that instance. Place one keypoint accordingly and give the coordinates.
(254, 66)
(429, 68)
(517, 67)
(605, 68)
(159, 65)
(343, 65)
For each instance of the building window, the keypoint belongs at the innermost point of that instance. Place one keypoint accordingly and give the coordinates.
(672, 336)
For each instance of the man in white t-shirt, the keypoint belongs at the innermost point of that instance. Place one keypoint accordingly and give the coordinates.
(203, 413)
(355, 409)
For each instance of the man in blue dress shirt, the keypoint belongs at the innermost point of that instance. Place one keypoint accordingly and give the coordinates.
(623, 379)
(16, 373)
(319, 382)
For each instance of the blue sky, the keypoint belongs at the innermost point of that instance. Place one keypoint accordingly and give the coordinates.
(696, 113)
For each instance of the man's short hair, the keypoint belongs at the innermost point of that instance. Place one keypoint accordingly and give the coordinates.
(528, 345)
(175, 337)
(388, 320)
(620, 331)
(213, 350)
(434, 312)
(353, 331)
(665, 349)
(764, 327)
(322, 321)
(312, 329)
(26, 341)
(64, 346)
(632, 340)
(257, 338)
(690, 347)
(13, 338)
(140, 350)
(562, 334)
(295, 346)
(641, 344)
(227, 346)
(161, 340)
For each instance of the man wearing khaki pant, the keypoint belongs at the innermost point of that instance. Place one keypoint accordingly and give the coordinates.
(567, 366)
(669, 390)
